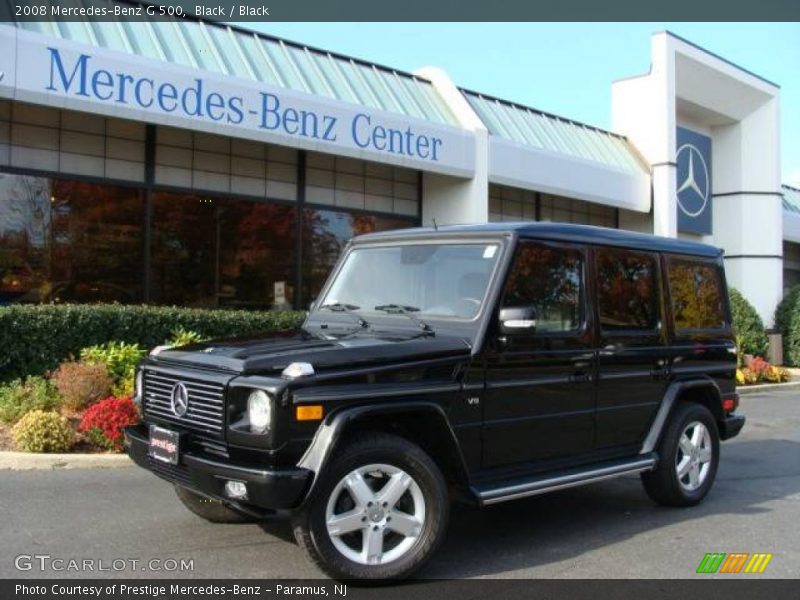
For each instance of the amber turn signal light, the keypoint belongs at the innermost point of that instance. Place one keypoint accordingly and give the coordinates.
(311, 412)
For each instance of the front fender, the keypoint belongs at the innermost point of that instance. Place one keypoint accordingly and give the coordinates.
(330, 433)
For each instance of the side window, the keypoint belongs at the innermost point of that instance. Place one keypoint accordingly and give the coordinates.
(696, 291)
(627, 293)
(550, 280)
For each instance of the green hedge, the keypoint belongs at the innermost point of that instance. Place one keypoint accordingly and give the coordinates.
(787, 322)
(36, 338)
(750, 332)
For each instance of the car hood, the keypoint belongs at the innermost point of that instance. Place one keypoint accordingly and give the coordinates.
(272, 353)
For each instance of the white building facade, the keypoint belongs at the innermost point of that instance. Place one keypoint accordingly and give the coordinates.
(198, 164)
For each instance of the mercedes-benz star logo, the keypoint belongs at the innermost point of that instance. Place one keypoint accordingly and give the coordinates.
(180, 399)
(693, 192)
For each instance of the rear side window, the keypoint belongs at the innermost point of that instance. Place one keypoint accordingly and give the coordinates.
(696, 290)
(550, 279)
(627, 293)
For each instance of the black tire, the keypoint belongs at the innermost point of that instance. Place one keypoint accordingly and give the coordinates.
(213, 511)
(663, 484)
(309, 524)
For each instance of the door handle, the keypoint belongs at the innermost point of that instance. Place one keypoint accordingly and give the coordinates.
(580, 377)
(659, 372)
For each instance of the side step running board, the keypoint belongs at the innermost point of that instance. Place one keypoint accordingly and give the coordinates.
(549, 482)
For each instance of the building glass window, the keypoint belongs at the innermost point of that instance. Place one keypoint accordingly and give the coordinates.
(184, 250)
(258, 254)
(215, 252)
(66, 239)
(69, 241)
(695, 288)
(349, 183)
(549, 279)
(626, 290)
(568, 210)
(515, 204)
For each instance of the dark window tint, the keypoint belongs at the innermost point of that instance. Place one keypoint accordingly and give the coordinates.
(550, 280)
(627, 295)
(696, 292)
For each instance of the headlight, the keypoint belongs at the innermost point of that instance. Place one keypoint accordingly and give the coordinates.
(138, 389)
(259, 411)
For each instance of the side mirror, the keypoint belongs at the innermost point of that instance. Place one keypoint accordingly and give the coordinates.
(518, 319)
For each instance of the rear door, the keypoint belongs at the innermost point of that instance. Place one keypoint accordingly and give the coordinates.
(632, 350)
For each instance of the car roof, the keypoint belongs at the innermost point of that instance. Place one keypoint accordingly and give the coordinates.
(564, 232)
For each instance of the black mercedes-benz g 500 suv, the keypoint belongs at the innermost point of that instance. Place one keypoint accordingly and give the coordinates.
(480, 363)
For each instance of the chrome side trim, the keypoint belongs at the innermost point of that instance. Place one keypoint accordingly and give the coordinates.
(552, 484)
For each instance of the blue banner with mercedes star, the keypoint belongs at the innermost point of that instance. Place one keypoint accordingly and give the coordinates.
(693, 160)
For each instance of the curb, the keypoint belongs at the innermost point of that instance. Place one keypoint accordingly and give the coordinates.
(26, 461)
(744, 390)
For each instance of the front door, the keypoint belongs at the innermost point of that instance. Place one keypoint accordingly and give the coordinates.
(539, 399)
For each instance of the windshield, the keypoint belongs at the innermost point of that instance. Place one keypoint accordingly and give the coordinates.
(425, 280)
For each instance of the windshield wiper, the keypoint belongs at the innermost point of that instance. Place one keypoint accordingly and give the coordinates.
(408, 311)
(350, 310)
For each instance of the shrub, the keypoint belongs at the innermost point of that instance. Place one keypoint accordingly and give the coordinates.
(759, 371)
(120, 359)
(103, 422)
(184, 337)
(21, 397)
(787, 321)
(36, 338)
(80, 384)
(42, 431)
(751, 337)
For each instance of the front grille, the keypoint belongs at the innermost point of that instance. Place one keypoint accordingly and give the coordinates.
(205, 407)
(170, 472)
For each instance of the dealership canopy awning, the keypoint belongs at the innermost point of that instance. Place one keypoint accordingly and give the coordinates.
(531, 127)
(791, 213)
(240, 53)
(537, 150)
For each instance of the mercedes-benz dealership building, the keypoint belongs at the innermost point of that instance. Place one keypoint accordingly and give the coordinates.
(197, 164)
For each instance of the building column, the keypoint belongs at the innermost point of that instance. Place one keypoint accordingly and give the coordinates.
(452, 200)
(747, 206)
(665, 199)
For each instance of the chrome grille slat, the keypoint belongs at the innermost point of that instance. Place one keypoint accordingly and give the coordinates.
(206, 418)
(206, 409)
(187, 381)
(210, 401)
(213, 415)
(164, 414)
(167, 388)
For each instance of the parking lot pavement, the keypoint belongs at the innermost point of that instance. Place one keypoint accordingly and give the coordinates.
(609, 529)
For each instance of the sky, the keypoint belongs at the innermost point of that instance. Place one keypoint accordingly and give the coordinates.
(564, 68)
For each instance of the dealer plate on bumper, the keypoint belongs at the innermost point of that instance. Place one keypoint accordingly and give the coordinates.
(164, 445)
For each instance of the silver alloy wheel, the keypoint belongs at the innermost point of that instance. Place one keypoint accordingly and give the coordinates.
(375, 514)
(693, 458)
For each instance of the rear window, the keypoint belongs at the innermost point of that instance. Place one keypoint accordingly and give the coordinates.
(627, 295)
(696, 291)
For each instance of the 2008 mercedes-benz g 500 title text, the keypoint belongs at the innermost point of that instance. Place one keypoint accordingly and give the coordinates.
(480, 363)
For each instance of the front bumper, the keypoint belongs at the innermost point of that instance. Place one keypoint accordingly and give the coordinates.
(267, 489)
(731, 425)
